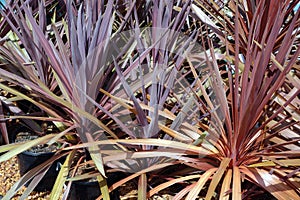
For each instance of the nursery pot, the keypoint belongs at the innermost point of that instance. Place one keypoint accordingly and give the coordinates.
(84, 190)
(28, 160)
(90, 190)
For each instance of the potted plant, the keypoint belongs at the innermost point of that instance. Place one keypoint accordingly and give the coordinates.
(25, 130)
(56, 84)
(37, 155)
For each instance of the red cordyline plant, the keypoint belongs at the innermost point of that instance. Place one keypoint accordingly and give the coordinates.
(261, 138)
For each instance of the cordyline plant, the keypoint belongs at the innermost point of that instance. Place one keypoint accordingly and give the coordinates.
(211, 92)
(53, 68)
(261, 138)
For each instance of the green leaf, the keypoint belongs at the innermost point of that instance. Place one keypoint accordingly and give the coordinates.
(142, 187)
(95, 153)
(62, 177)
(103, 187)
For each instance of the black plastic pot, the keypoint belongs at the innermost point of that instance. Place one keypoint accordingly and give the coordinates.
(28, 160)
(87, 190)
(84, 190)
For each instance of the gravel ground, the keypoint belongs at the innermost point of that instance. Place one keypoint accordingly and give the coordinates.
(9, 174)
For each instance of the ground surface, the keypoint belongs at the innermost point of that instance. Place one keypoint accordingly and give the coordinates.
(9, 174)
